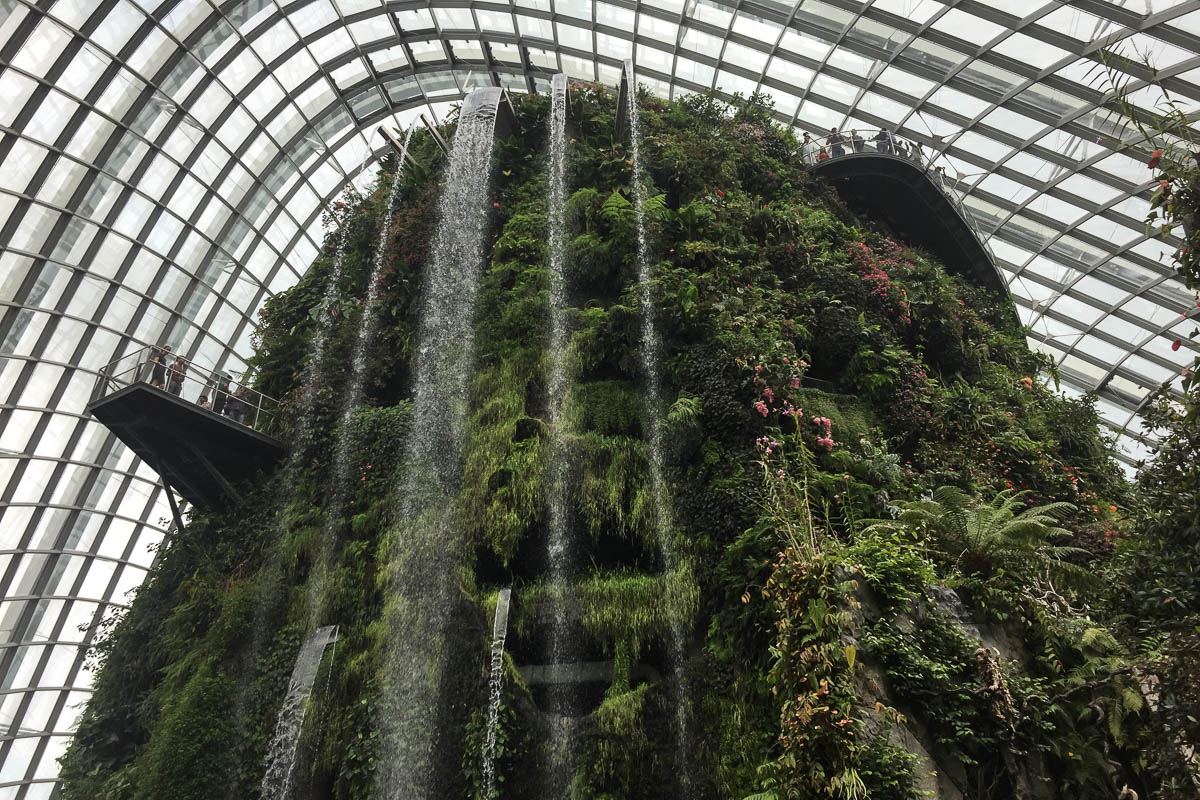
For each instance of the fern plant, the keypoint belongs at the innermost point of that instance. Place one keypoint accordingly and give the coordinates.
(983, 538)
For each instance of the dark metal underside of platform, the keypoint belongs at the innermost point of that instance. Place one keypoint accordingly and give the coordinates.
(897, 192)
(200, 454)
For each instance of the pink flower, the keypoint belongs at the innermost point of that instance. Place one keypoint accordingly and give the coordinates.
(761, 407)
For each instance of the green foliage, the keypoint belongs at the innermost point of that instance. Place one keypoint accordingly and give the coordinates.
(190, 753)
(820, 380)
(985, 538)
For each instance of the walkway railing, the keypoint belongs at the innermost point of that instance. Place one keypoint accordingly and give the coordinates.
(215, 392)
(870, 141)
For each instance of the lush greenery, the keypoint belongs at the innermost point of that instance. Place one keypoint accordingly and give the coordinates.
(899, 551)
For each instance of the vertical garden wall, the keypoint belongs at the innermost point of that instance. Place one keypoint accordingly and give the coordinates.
(894, 543)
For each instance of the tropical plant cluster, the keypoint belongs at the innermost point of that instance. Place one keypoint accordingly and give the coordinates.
(906, 566)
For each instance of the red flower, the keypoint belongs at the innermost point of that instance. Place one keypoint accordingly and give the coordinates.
(1155, 157)
(720, 193)
(495, 205)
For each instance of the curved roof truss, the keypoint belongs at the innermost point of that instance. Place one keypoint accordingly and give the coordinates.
(166, 163)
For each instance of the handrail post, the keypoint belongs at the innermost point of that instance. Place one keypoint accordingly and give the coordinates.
(98, 388)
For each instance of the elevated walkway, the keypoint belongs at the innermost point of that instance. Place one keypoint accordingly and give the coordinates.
(198, 452)
(911, 197)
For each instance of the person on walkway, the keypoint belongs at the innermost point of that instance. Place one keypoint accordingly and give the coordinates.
(251, 399)
(823, 155)
(235, 407)
(883, 141)
(158, 372)
(857, 141)
(220, 394)
(178, 371)
(918, 155)
(806, 149)
(204, 402)
(835, 141)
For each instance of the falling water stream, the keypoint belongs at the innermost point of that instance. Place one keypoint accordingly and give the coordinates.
(281, 756)
(273, 574)
(351, 398)
(277, 780)
(561, 545)
(314, 370)
(651, 353)
(499, 632)
(425, 549)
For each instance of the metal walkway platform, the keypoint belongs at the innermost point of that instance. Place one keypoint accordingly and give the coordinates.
(906, 196)
(199, 453)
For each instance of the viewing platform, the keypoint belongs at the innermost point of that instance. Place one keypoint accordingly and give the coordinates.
(201, 452)
(889, 180)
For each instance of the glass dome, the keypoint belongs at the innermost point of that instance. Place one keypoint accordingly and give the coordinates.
(166, 165)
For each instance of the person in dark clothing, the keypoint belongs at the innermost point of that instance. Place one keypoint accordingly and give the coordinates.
(178, 371)
(231, 404)
(883, 141)
(158, 372)
(835, 142)
(251, 398)
(235, 406)
(857, 141)
(220, 394)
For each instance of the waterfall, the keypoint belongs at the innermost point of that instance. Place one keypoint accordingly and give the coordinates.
(651, 352)
(316, 349)
(561, 548)
(424, 551)
(351, 398)
(281, 756)
(368, 326)
(272, 588)
(499, 632)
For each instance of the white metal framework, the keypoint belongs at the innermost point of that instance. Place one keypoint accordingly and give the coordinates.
(164, 164)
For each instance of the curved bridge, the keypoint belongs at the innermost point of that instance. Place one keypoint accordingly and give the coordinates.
(906, 196)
